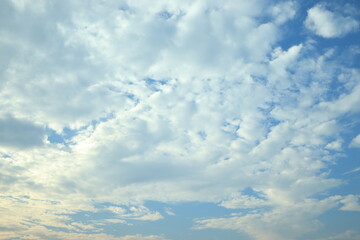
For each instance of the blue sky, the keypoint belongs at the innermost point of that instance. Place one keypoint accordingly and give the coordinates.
(180, 120)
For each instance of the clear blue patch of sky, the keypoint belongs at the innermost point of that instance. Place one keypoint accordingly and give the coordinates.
(154, 84)
(54, 137)
(338, 221)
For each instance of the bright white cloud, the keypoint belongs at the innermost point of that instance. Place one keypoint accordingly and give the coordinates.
(328, 24)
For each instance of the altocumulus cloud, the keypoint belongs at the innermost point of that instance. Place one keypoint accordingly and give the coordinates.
(116, 114)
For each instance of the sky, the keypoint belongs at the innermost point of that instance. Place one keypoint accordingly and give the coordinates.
(179, 120)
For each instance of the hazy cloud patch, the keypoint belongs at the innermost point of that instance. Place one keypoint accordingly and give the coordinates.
(20, 133)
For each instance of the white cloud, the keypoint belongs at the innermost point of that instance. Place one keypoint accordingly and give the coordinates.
(355, 143)
(243, 201)
(351, 203)
(335, 145)
(284, 11)
(286, 221)
(41, 217)
(329, 24)
(136, 213)
(283, 60)
(345, 103)
(289, 222)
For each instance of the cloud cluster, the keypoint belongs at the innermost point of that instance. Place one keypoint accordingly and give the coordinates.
(171, 102)
(28, 218)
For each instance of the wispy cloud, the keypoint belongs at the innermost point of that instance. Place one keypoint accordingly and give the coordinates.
(353, 171)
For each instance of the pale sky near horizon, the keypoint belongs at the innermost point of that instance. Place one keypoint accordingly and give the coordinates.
(179, 120)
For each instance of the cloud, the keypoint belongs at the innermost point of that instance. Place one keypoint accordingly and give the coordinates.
(329, 24)
(284, 11)
(336, 145)
(40, 232)
(351, 203)
(355, 143)
(18, 133)
(169, 212)
(279, 223)
(244, 201)
(285, 222)
(347, 235)
(137, 213)
(353, 171)
(37, 218)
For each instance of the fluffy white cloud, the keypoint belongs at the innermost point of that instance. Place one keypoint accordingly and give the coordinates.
(328, 24)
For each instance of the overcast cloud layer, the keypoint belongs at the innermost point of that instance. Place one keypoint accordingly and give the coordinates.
(115, 114)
